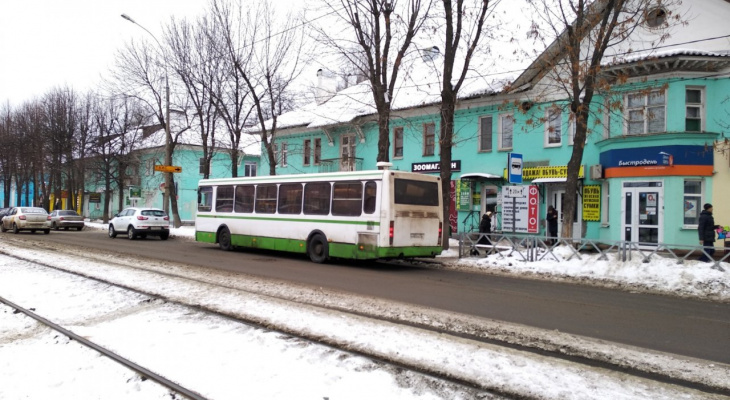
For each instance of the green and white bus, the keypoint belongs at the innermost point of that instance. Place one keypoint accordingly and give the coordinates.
(350, 215)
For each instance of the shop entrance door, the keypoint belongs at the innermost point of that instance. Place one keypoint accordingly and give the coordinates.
(556, 200)
(642, 213)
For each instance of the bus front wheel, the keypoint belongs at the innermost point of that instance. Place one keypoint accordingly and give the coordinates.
(224, 239)
(318, 249)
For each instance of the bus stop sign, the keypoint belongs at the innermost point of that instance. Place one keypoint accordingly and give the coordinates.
(514, 166)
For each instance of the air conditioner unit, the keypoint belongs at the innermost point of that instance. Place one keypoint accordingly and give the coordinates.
(596, 172)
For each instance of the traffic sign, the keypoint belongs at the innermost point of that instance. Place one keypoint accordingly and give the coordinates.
(168, 168)
(514, 166)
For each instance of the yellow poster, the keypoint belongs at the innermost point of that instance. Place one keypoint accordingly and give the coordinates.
(592, 203)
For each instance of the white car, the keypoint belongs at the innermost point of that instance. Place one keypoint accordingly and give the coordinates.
(26, 219)
(140, 222)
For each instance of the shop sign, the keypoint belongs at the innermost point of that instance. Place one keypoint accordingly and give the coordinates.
(557, 171)
(592, 203)
(94, 197)
(428, 167)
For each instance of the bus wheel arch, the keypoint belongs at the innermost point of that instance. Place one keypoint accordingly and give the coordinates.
(317, 247)
(223, 237)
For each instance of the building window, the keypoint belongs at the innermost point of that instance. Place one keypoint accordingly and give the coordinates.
(506, 131)
(249, 169)
(553, 127)
(201, 166)
(646, 113)
(695, 110)
(398, 142)
(284, 153)
(307, 152)
(429, 139)
(317, 150)
(692, 201)
(347, 153)
(485, 134)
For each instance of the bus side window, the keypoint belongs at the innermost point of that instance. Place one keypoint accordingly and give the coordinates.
(244, 199)
(224, 199)
(266, 199)
(317, 198)
(290, 198)
(371, 191)
(205, 198)
(347, 199)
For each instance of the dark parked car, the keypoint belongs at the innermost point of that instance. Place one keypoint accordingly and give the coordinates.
(66, 219)
(4, 212)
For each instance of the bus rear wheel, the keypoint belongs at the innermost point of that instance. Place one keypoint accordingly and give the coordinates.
(318, 248)
(224, 239)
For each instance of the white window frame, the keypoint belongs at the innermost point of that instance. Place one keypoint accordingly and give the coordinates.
(395, 142)
(201, 166)
(644, 110)
(501, 132)
(700, 106)
(481, 145)
(317, 156)
(284, 154)
(307, 152)
(553, 130)
(433, 152)
(250, 166)
(699, 196)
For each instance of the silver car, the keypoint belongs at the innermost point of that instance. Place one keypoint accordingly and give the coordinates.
(66, 219)
(26, 219)
(140, 222)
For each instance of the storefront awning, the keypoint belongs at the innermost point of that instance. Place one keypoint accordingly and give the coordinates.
(549, 180)
(480, 175)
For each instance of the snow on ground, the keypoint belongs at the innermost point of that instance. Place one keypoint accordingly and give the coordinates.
(287, 368)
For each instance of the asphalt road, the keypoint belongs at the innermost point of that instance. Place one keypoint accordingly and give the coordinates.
(685, 327)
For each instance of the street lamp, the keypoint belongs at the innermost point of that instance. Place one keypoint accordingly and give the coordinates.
(169, 183)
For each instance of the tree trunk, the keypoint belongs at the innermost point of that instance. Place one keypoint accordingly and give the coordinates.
(446, 132)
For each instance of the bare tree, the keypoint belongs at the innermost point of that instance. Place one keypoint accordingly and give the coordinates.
(194, 61)
(141, 72)
(383, 31)
(118, 123)
(571, 66)
(264, 51)
(464, 22)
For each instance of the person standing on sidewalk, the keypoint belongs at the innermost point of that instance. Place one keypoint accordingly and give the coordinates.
(552, 224)
(706, 231)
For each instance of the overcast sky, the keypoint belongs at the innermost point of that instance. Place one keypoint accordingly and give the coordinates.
(53, 43)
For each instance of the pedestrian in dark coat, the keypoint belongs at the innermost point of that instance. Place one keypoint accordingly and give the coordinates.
(485, 227)
(706, 231)
(552, 224)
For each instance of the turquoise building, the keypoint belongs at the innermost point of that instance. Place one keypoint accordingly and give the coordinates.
(648, 164)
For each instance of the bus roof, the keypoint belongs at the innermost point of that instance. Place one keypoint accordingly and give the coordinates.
(369, 174)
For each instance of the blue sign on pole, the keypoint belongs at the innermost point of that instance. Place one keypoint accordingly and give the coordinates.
(514, 167)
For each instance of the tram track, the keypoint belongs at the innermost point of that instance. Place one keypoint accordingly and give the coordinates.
(192, 394)
(407, 317)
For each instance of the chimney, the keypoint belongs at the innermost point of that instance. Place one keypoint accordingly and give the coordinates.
(326, 86)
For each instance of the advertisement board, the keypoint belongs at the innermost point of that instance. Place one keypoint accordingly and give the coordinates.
(520, 209)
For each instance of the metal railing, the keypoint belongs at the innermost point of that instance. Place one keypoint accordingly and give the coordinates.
(537, 248)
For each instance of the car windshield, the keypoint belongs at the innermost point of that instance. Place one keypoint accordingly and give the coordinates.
(153, 213)
(28, 210)
(67, 212)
